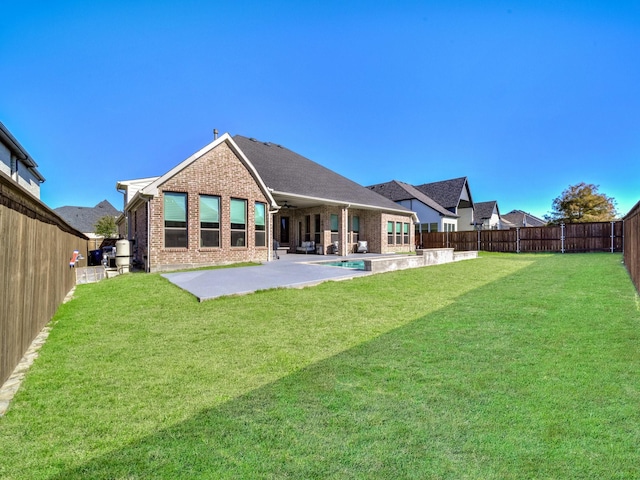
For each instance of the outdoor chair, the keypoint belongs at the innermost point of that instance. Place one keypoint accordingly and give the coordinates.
(362, 247)
(307, 247)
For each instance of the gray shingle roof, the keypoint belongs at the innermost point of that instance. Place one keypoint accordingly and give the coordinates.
(398, 191)
(523, 219)
(484, 210)
(85, 218)
(285, 171)
(447, 192)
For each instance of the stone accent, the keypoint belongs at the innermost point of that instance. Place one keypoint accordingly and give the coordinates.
(423, 258)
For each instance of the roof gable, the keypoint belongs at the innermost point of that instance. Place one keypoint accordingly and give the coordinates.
(448, 193)
(485, 210)
(398, 191)
(152, 188)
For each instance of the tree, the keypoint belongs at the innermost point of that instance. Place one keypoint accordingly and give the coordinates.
(106, 227)
(582, 203)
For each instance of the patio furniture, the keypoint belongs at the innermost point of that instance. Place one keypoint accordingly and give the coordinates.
(306, 247)
(362, 247)
(333, 248)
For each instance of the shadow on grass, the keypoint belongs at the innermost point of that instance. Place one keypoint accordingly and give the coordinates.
(464, 392)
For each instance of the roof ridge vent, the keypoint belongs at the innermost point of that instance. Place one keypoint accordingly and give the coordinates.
(253, 139)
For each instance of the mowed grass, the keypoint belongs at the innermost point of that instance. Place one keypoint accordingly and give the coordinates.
(505, 367)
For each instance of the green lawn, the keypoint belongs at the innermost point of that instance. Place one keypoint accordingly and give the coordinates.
(505, 367)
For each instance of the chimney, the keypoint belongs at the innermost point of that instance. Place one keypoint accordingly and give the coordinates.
(215, 133)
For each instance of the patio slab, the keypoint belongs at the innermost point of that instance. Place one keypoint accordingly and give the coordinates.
(291, 271)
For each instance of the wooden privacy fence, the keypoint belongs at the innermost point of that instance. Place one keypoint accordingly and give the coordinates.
(632, 244)
(569, 238)
(35, 248)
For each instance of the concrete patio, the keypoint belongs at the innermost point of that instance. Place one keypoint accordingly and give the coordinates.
(298, 270)
(291, 271)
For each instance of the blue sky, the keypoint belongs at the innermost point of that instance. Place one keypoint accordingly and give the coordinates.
(523, 98)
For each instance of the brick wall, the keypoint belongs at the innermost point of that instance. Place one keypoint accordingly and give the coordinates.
(373, 227)
(218, 172)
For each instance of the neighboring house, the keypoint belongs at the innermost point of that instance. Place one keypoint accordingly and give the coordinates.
(18, 164)
(433, 216)
(455, 196)
(518, 218)
(84, 219)
(487, 215)
(231, 200)
(441, 206)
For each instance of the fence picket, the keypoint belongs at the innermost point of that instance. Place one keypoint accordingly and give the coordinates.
(569, 238)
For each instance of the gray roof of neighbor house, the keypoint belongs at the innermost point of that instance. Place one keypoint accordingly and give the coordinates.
(398, 191)
(523, 219)
(85, 218)
(286, 172)
(19, 151)
(485, 209)
(447, 192)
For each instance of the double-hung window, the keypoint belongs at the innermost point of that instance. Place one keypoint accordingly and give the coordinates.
(238, 222)
(317, 228)
(398, 233)
(390, 233)
(334, 228)
(261, 224)
(355, 229)
(175, 220)
(209, 221)
(406, 233)
(307, 228)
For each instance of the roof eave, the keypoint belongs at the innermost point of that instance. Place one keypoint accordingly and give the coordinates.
(344, 203)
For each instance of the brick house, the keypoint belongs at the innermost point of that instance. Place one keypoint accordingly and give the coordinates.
(230, 201)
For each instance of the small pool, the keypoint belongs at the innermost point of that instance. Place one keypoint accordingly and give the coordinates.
(353, 264)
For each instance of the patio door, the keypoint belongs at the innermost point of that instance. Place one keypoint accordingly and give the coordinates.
(284, 230)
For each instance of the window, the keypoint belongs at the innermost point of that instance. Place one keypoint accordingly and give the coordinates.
(390, 233)
(406, 233)
(209, 221)
(261, 224)
(238, 222)
(433, 227)
(398, 233)
(317, 229)
(355, 229)
(175, 220)
(334, 228)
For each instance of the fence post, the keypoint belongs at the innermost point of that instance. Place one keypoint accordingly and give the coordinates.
(612, 237)
(478, 240)
(562, 236)
(517, 239)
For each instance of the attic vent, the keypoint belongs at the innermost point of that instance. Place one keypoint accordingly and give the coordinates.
(267, 144)
(280, 146)
(253, 139)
